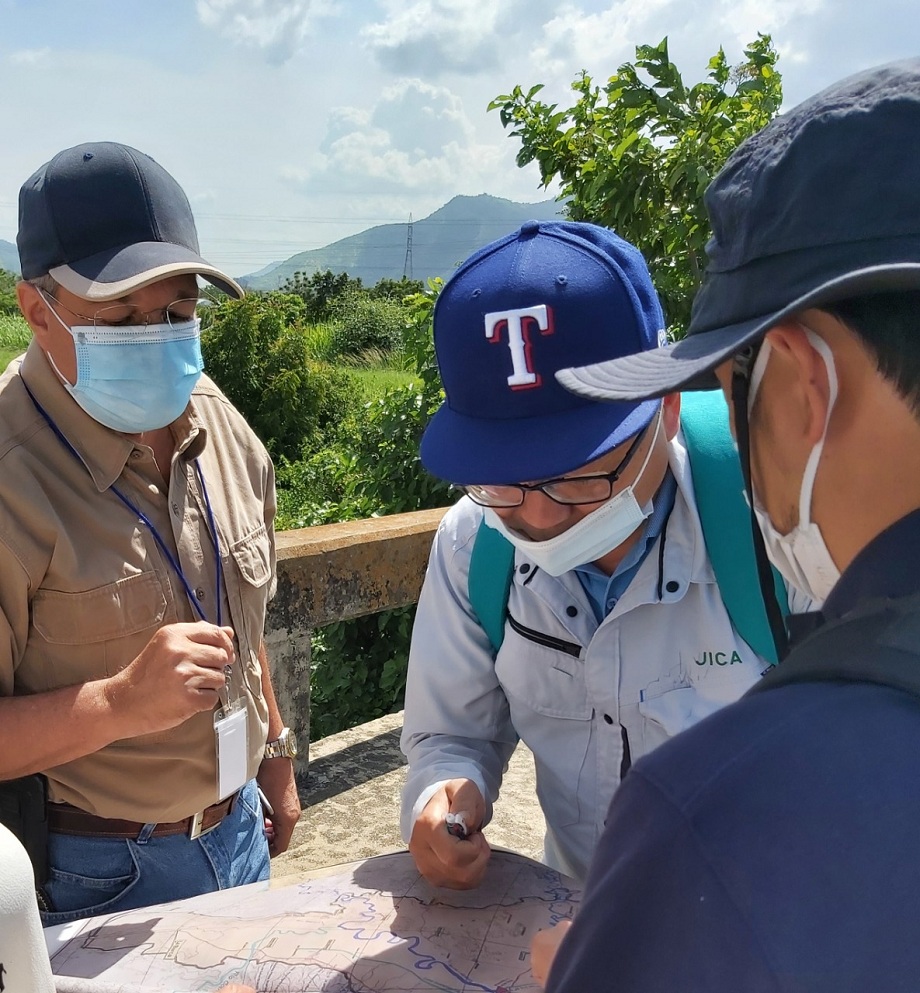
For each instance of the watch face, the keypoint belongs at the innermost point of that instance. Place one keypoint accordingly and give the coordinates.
(289, 743)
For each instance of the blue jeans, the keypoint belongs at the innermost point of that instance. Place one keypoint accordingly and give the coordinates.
(89, 876)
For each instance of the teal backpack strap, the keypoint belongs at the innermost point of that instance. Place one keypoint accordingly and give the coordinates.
(726, 519)
(491, 569)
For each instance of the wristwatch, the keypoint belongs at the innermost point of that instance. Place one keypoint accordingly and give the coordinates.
(284, 746)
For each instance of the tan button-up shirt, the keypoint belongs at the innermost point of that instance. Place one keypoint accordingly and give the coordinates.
(84, 584)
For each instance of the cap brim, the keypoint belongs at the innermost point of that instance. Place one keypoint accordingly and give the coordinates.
(116, 273)
(465, 450)
(688, 364)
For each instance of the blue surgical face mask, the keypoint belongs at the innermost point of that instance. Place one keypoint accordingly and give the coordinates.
(134, 378)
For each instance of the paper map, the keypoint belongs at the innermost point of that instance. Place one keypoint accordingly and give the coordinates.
(371, 927)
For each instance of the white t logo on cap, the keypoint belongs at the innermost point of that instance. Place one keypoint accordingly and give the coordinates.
(518, 323)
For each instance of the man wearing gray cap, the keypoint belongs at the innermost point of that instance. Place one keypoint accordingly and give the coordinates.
(136, 560)
(773, 847)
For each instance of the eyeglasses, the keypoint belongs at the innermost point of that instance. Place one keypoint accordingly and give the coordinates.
(123, 314)
(569, 491)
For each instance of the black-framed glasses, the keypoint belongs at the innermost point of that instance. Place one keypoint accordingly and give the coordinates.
(570, 491)
(116, 315)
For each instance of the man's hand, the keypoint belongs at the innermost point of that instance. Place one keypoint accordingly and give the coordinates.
(177, 675)
(543, 950)
(276, 780)
(442, 858)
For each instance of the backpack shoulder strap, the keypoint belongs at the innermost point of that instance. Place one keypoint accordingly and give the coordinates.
(725, 518)
(491, 569)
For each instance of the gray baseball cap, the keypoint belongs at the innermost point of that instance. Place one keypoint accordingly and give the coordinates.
(821, 205)
(105, 220)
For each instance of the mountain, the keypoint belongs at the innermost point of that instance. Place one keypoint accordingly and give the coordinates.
(439, 243)
(9, 256)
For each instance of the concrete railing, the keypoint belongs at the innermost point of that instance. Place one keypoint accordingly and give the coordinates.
(333, 573)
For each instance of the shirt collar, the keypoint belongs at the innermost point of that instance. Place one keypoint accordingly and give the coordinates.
(103, 451)
(603, 590)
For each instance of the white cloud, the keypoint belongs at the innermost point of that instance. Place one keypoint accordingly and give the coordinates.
(575, 39)
(433, 37)
(277, 27)
(742, 20)
(29, 56)
(416, 137)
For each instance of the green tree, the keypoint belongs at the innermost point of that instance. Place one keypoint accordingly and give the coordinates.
(8, 282)
(321, 291)
(373, 466)
(395, 289)
(256, 350)
(638, 154)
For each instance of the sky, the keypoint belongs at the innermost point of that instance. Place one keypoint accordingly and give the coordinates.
(293, 123)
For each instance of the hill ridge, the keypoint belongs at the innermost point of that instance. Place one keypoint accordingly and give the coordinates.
(440, 242)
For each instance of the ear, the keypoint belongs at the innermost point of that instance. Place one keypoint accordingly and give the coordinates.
(805, 376)
(34, 310)
(670, 414)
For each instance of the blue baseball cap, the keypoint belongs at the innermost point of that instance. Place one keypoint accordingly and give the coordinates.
(821, 205)
(104, 219)
(551, 295)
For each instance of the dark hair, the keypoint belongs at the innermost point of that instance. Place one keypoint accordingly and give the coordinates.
(887, 323)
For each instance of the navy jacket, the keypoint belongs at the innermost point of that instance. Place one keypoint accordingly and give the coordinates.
(776, 845)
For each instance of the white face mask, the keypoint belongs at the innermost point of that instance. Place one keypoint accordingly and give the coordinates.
(801, 556)
(592, 537)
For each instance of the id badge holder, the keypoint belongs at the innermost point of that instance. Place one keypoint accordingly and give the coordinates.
(232, 736)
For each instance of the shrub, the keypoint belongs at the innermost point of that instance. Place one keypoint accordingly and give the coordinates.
(359, 666)
(359, 670)
(362, 323)
(319, 341)
(256, 349)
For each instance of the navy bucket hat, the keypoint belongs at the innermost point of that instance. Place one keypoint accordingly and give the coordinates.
(550, 295)
(104, 220)
(821, 205)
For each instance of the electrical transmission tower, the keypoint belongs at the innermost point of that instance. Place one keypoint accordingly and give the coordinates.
(407, 264)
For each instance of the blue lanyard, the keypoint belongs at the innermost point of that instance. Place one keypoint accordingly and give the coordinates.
(193, 600)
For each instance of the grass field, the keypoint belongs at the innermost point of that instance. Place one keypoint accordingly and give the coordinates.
(14, 337)
(375, 382)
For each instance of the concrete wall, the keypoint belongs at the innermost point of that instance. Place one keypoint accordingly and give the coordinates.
(332, 573)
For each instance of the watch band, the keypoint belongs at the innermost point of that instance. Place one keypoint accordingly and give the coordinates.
(284, 746)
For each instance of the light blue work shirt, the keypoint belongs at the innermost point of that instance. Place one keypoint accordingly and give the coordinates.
(603, 590)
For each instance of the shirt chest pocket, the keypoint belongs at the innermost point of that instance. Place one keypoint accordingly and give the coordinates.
(249, 588)
(548, 681)
(93, 633)
(252, 557)
(708, 680)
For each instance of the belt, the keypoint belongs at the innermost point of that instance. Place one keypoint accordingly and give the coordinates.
(65, 819)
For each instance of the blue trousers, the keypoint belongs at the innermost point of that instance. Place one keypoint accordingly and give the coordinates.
(90, 876)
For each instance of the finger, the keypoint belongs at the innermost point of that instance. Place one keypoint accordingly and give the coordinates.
(204, 680)
(464, 861)
(209, 656)
(468, 873)
(467, 800)
(203, 633)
